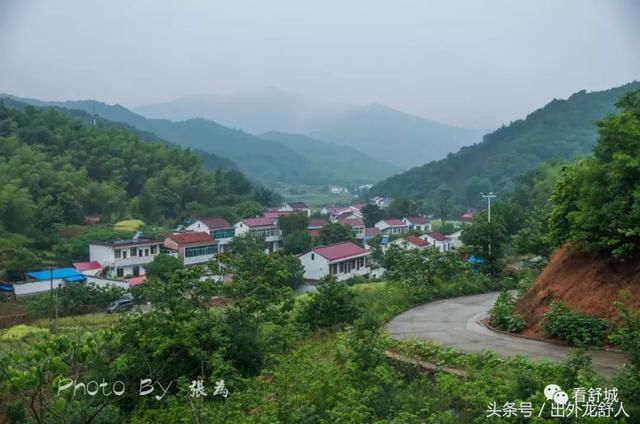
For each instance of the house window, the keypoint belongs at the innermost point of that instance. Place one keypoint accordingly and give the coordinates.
(136, 271)
(139, 252)
(154, 249)
(134, 251)
(117, 253)
(146, 252)
(120, 272)
(210, 249)
(124, 254)
(313, 256)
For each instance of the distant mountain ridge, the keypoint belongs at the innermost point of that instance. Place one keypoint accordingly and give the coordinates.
(561, 130)
(254, 112)
(340, 162)
(262, 159)
(394, 136)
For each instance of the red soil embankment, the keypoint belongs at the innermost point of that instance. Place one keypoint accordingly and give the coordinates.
(583, 282)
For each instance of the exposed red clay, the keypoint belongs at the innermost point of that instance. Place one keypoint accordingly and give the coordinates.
(582, 281)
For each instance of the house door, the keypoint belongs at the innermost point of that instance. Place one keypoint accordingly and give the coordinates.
(136, 270)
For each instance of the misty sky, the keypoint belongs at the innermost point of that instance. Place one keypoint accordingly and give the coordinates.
(469, 63)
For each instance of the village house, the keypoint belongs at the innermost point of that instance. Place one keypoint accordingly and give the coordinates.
(381, 202)
(439, 241)
(356, 209)
(410, 242)
(88, 268)
(315, 225)
(417, 223)
(392, 226)
(299, 207)
(467, 217)
(356, 224)
(455, 239)
(217, 227)
(123, 258)
(342, 260)
(262, 227)
(192, 248)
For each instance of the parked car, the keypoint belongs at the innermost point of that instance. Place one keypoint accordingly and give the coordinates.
(125, 303)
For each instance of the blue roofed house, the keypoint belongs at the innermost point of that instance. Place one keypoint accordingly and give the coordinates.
(42, 281)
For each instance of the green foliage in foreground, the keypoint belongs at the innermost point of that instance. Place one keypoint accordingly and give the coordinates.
(72, 299)
(276, 370)
(575, 327)
(333, 304)
(503, 316)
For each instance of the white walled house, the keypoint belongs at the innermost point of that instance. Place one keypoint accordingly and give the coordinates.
(438, 241)
(299, 207)
(263, 227)
(417, 223)
(342, 260)
(392, 226)
(192, 248)
(123, 258)
(217, 227)
(455, 239)
(409, 243)
(356, 224)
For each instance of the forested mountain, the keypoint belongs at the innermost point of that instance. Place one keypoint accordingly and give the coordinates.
(393, 136)
(255, 112)
(264, 160)
(55, 169)
(341, 164)
(561, 130)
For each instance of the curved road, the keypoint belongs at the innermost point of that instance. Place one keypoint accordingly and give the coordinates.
(456, 322)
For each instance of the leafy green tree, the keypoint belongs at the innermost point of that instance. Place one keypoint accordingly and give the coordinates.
(334, 303)
(487, 241)
(162, 267)
(297, 242)
(335, 233)
(596, 205)
(247, 243)
(372, 214)
(293, 223)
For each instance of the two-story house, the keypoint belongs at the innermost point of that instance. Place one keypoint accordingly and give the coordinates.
(192, 248)
(217, 227)
(438, 240)
(356, 224)
(392, 226)
(417, 223)
(124, 258)
(262, 227)
(342, 260)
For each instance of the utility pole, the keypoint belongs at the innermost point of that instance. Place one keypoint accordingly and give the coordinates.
(489, 196)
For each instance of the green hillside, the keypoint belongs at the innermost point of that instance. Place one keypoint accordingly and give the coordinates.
(340, 164)
(393, 136)
(264, 160)
(561, 130)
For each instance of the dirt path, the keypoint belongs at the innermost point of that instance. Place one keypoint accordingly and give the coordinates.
(456, 322)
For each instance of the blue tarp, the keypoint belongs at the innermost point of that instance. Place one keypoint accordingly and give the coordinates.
(474, 260)
(57, 273)
(74, 278)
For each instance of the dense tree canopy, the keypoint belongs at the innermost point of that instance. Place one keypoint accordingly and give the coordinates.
(596, 203)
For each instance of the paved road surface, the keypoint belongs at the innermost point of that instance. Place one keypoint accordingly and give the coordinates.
(455, 322)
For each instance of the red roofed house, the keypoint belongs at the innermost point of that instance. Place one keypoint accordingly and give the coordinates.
(417, 223)
(88, 268)
(192, 248)
(263, 227)
(356, 224)
(438, 240)
(342, 260)
(468, 216)
(410, 242)
(217, 227)
(392, 226)
(316, 223)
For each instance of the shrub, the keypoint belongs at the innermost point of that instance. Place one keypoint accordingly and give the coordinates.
(334, 303)
(503, 316)
(574, 327)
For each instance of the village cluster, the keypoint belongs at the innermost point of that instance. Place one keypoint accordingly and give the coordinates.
(122, 262)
